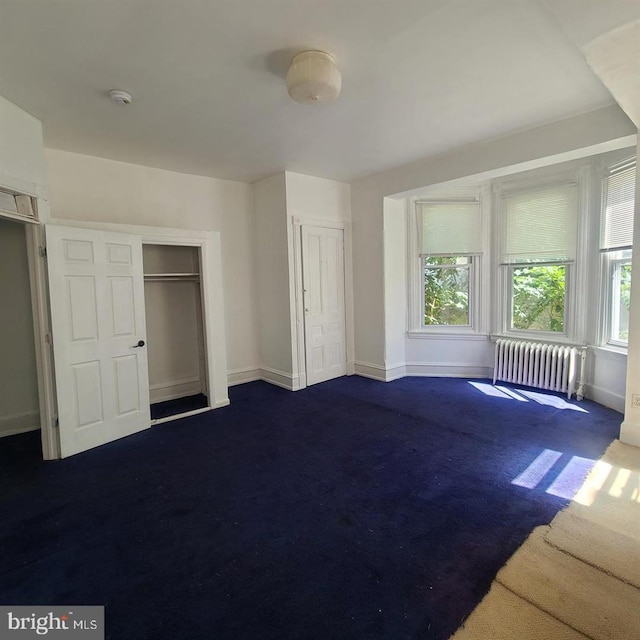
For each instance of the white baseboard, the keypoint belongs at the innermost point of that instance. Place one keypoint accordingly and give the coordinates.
(448, 370)
(369, 370)
(605, 397)
(19, 423)
(422, 369)
(366, 370)
(174, 389)
(280, 378)
(378, 372)
(241, 376)
(395, 371)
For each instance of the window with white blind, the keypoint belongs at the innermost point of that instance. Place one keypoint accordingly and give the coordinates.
(450, 245)
(616, 239)
(538, 248)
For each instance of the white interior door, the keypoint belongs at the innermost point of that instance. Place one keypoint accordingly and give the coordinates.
(97, 316)
(324, 308)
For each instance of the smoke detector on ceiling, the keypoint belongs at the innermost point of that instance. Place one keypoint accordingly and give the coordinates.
(120, 97)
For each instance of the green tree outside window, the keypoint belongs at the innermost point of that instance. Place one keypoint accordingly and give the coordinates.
(538, 295)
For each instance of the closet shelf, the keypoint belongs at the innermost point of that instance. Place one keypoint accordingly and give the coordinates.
(172, 276)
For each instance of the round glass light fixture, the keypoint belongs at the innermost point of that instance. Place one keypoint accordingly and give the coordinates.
(313, 77)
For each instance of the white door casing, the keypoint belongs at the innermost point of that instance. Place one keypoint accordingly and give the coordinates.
(97, 318)
(324, 303)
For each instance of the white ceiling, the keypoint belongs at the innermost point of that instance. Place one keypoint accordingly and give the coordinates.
(419, 77)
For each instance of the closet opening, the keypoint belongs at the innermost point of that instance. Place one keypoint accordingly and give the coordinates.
(19, 395)
(175, 343)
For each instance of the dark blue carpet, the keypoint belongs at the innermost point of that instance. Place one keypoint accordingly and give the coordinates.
(351, 510)
(179, 405)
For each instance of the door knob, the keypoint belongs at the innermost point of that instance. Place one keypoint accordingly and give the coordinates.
(140, 344)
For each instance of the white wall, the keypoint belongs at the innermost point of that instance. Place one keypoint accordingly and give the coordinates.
(273, 280)
(86, 188)
(19, 409)
(316, 198)
(174, 339)
(463, 356)
(395, 286)
(368, 275)
(606, 372)
(22, 166)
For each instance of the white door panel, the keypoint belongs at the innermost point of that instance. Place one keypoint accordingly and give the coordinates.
(323, 282)
(97, 314)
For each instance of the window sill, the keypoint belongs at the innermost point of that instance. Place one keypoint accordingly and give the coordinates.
(542, 337)
(447, 335)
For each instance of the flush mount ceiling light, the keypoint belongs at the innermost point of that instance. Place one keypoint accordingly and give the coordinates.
(313, 77)
(120, 97)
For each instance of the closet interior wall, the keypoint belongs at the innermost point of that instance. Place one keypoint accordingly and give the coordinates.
(19, 404)
(173, 305)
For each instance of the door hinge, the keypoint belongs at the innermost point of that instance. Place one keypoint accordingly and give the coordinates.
(56, 422)
(48, 339)
(42, 251)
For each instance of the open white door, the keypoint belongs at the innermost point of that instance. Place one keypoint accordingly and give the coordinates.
(98, 323)
(324, 308)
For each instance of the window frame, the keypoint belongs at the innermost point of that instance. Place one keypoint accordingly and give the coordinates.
(575, 312)
(479, 275)
(470, 267)
(607, 320)
(608, 263)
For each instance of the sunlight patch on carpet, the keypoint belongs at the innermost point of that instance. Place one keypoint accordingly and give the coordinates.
(570, 479)
(567, 483)
(551, 401)
(611, 481)
(490, 390)
(523, 395)
(531, 477)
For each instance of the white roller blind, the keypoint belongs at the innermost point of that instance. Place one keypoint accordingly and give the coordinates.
(618, 197)
(450, 228)
(540, 225)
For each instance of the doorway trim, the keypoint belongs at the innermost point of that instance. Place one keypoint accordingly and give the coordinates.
(39, 286)
(299, 360)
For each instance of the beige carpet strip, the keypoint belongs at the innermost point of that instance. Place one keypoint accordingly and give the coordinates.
(583, 539)
(584, 598)
(579, 577)
(622, 455)
(502, 615)
(610, 496)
